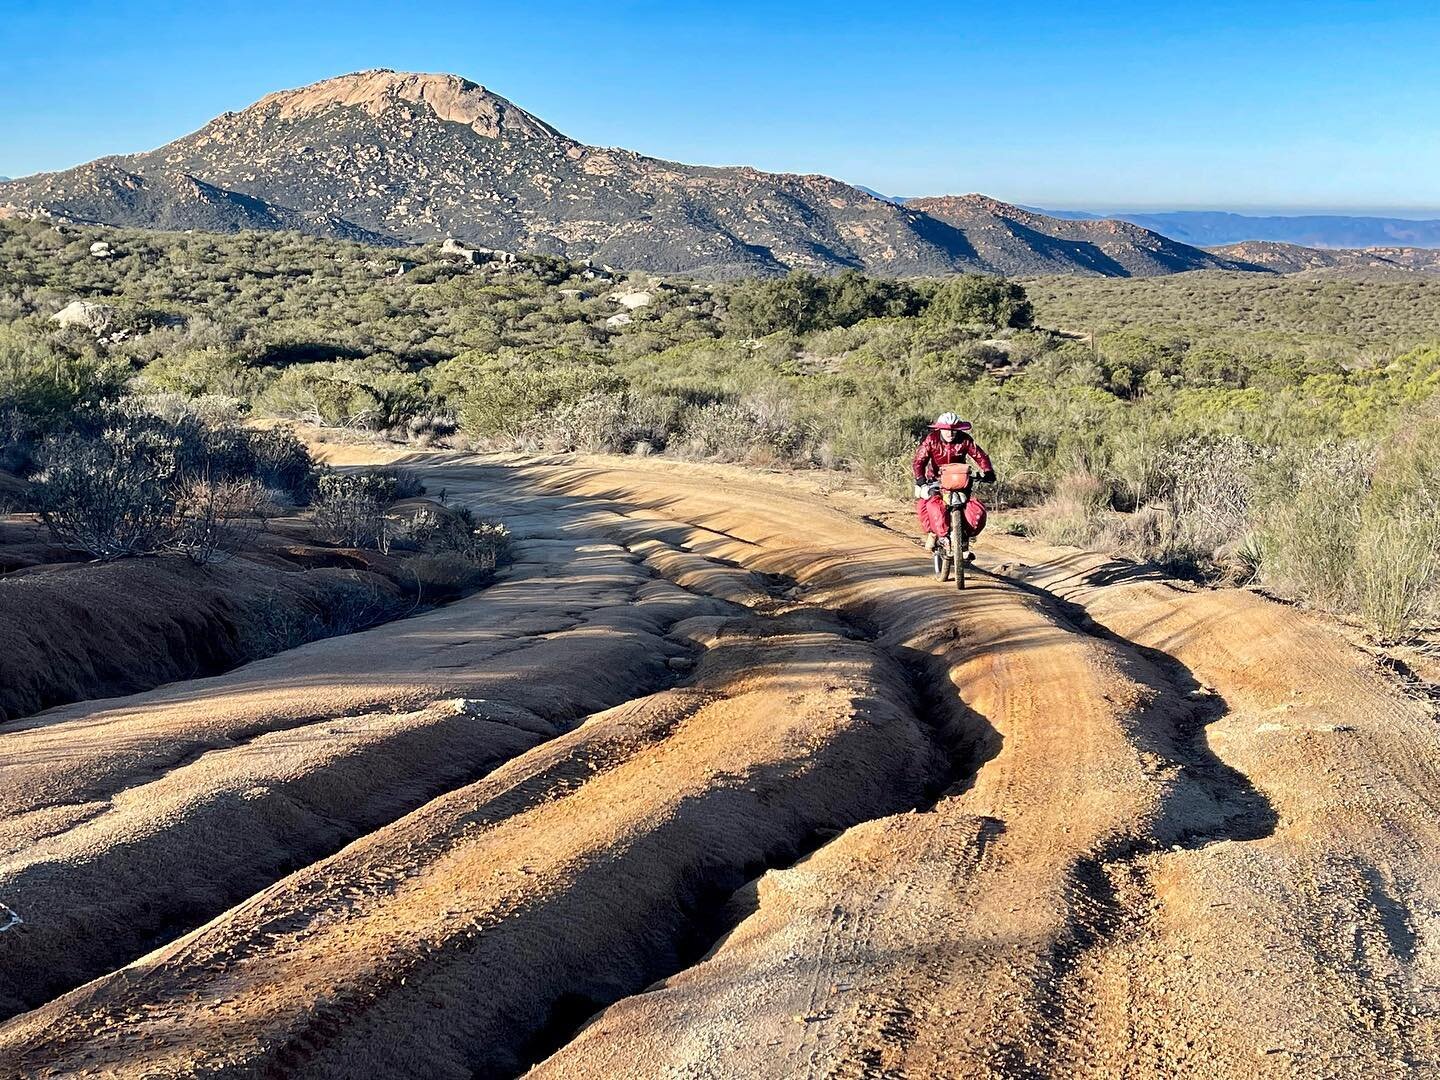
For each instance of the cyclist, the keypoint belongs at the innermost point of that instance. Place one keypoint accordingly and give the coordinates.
(948, 441)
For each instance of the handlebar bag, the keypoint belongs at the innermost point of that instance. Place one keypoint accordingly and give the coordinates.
(955, 477)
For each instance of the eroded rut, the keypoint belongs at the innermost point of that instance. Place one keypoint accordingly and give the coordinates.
(177, 812)
(878, 830)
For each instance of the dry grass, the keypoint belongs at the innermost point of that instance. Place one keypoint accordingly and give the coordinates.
(1343, 528)
(1074, 514)
(1395, 575)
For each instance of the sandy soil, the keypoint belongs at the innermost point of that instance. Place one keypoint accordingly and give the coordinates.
(716, 781)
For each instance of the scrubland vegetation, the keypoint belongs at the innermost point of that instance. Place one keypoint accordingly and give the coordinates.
(1229, 426)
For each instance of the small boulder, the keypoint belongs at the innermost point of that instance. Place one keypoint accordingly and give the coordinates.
(451, 248)
(85, 313)
(617, 321)
(631, 300)
(100, 250)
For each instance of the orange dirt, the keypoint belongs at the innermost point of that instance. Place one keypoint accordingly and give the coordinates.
(1076, 821)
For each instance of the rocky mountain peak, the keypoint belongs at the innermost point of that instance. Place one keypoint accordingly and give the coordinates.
(389, 156)
(380, 91)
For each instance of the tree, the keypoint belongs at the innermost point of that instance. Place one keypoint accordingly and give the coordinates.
(792, 303)
(982, 300)
(852, 296)
(801, 302)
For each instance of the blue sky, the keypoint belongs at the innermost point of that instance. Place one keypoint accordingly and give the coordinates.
(1099, 105)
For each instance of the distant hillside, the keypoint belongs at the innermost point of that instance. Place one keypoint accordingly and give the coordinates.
(383, 155)
(103, 192)
(1206, 228)
(1293, 259)
(1033, 243)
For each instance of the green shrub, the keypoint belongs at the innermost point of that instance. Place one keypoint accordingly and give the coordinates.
(376, 394)
(213, 519)
(350, 516)
(196, 372)
(1074, 512)
(801, 302)
(444, 574)
(47, 382)
(760, 428)
(1397, 565)
(1398, 569)
(491, 396)
(1309, 538)
(385, 486)
(282, 462)
(350, 506)
(453, 531)
(608, 421)
(131, 481)
(980, 300)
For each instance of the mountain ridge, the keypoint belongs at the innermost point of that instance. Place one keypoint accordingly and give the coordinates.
(409, 157)
(1217, 228)
(1109, 247)
(102, 193)
(1296, 259)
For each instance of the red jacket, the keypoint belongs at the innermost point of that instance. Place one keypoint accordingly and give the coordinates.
(934, 452)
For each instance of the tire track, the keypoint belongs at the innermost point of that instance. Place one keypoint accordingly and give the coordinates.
(1350, 764)
(1108, 871)
(183, 836)
(583, 895)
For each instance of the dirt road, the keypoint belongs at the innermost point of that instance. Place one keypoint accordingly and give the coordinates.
(715, 781)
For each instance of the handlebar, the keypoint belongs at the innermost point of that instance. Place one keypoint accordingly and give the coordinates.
(975, 474)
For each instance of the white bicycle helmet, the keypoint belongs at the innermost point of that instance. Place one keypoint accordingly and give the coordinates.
(949, 421)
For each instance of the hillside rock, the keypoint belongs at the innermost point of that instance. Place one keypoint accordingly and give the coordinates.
(377, 92)
(452, 250)
(87, 314)
(631, 300)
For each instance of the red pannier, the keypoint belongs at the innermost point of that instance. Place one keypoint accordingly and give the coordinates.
(974, 517)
